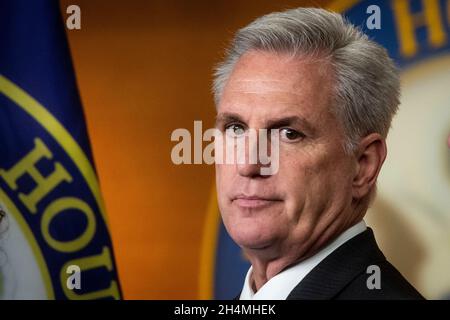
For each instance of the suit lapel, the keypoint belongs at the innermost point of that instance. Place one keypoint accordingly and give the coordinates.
(333, 273)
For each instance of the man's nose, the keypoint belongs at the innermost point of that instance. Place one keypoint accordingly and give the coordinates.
(248, 164)
(249, 170)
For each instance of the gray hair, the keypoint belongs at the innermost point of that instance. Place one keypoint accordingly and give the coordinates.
(367, 88)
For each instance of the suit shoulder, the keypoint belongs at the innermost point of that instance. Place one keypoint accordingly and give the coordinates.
(393, 286)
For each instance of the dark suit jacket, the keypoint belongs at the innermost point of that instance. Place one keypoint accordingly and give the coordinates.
(343, 275)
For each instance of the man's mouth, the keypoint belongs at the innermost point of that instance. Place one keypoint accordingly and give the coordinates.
(254, 201)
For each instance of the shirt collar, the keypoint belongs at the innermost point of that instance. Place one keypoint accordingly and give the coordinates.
(279, 286)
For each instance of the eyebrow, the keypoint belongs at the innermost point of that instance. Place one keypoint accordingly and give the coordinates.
(227, 117)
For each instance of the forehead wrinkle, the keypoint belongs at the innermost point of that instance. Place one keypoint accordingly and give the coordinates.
(249, 114)
(265, 90)
(290, 86)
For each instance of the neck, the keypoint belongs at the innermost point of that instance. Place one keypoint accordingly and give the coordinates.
(263, 271)
(266, 265)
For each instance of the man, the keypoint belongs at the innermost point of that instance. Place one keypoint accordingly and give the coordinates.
(331, 94)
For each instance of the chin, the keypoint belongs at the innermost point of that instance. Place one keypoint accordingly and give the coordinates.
(252, 235)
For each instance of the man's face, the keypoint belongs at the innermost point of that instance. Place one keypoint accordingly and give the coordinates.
(310, 194)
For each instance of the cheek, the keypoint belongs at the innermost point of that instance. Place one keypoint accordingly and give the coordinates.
(224, 174)
(220, 172)
(292, 181)
(311, 181)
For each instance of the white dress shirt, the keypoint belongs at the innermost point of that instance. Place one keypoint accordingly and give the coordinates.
(281, 285)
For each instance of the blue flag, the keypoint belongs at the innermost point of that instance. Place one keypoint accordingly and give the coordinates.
(54, 242)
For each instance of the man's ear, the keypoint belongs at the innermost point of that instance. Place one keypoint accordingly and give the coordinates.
(370, 155)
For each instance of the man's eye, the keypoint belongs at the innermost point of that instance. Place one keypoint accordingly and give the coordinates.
(235, 130)
(290, 134)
